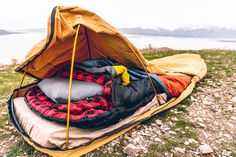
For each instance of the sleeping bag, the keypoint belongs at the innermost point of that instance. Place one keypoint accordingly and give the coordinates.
(91, 109)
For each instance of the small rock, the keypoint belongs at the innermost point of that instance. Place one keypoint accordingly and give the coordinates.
(186, 142)
(157, 139)
(205, 149)
(216, 95)
(132, 150)
(166, 129)
(158, 122)
(187, 127)
(227, 136)
(180, 150)
(192, 141)
(233, 118)
(127, 138)
(137, 140)
(206, 102)
(202, 125)
(174, 119)
(145, 134)
(226, 153)
(233, 99)
(172, 132)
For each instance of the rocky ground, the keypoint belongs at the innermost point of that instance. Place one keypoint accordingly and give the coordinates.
(204, 124)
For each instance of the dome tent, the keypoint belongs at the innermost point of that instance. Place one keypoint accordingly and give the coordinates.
(96, 39)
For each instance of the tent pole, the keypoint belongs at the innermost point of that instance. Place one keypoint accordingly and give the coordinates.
(70, 87)
(145, 69)
(88, 43)
(21, 82)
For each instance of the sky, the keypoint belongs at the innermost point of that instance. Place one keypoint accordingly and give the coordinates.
(169, 14)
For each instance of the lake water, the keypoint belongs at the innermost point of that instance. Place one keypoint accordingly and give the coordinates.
(17, 45)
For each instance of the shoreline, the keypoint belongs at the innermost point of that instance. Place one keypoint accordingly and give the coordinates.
(143, 50)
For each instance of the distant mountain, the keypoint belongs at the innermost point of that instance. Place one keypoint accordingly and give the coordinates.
(203, 32)
(183, 32)
(33, 30)
(4, 32)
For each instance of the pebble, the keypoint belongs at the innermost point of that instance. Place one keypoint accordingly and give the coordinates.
(206, 102)
(192, 141)
(166, 129)
(226, 153)
(186, 142)
(174, 119)
(157, 139)
(201, 125)
(205, 149)
(158, 122)
(180, 150)
(132, 150)
(233, 99)
(172, 132)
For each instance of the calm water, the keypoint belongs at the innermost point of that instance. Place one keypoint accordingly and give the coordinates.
(17, 45)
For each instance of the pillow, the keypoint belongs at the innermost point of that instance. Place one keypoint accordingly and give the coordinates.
(56, 88)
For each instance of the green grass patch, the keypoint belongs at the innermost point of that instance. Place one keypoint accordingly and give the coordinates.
(19, 148)
(187, 101)
(117, 151)
(9, 81)
(171, 143)
(183, 124)
(2, 104)
(165, 115)
(184, 129)
(2, 135)
(181, 108)
(3, 120)
(155, 150)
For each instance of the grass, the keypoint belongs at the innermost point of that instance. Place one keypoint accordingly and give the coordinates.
(181, 109)
(10, 80)
(186, 102)
(230, 146)
(220, 63)
(183, 128)
(19, 148)
(155, 150)
(3, 120)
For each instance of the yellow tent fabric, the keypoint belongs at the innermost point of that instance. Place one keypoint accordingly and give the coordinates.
(96, 39)
(99, 39)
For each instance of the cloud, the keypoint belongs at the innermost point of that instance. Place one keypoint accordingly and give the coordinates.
(169, 14)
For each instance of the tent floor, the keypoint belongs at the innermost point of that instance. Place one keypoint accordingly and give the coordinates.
(52, 135)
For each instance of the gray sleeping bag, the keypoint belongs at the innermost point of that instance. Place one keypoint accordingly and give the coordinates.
(56, 88)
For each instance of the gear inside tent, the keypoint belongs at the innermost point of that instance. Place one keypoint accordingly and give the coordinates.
(92, 85)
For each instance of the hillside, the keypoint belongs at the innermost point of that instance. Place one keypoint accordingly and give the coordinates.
(4, 32)
(183, 32)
